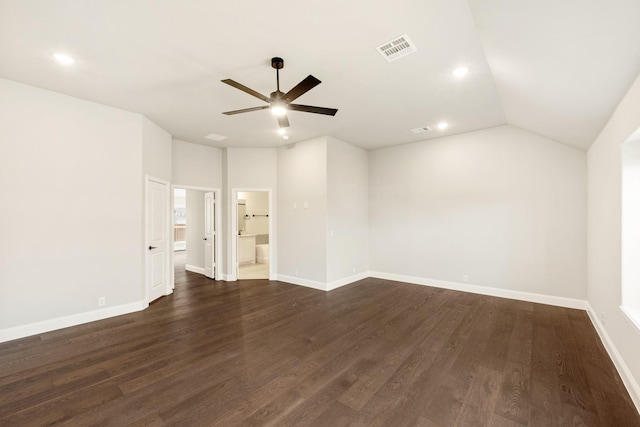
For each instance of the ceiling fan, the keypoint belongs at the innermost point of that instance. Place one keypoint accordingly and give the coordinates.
(280, 102)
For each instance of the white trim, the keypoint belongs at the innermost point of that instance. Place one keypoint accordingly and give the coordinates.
(485, 290)
(22, 331)
(194, 269)
(633, 317)
(302, 282)
(626, 375)
(229, 278)
(347, 280)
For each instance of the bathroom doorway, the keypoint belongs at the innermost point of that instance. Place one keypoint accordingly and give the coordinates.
(196, 217)
(253, 234)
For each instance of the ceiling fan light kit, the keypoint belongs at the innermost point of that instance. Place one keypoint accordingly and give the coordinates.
(280, 102)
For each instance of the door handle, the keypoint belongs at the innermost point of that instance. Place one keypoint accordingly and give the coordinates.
(204, 238)
(152, 247)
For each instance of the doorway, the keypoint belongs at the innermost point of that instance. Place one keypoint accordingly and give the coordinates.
(253, 231)
(196, 217)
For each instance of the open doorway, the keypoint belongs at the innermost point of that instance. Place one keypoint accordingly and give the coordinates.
(195, 221)
(253, 253)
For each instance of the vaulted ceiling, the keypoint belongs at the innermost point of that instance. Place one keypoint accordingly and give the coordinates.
(557, 68)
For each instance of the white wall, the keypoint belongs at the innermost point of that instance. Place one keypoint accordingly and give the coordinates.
(302, 211)
(604, 230)
(72, 171)
(195, 228)
(503, 206)
(156, 151)
(347, 210)
(257, 203)
(196, 165)
(248, 169)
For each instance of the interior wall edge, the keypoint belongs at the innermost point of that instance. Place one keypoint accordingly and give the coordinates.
(321, 286)
(35, 328)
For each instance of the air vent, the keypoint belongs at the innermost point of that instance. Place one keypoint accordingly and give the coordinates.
(421, 130)
(215, 137)
(397, 48)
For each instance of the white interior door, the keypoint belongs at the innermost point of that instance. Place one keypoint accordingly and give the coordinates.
(209, 235)
(157, 239)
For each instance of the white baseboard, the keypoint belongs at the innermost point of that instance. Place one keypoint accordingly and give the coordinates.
(194, 269)
(485, 290)
(321, 285)
(302, 282)
(347, 280)
(67, 321)
(627, 378)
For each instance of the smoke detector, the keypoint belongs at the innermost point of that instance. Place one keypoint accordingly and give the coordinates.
(397, 48)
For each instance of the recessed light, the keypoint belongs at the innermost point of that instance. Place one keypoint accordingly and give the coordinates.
(64, 59)
(443, 125)
(285, 136)
(282, 131)
(460, 72)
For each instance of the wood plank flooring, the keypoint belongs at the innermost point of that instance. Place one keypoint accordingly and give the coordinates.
(374, 353)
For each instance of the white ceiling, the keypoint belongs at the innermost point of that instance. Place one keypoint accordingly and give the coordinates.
(557, 68)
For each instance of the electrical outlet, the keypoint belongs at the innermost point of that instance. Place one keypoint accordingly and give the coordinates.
(295, 272)
(465, 278)
(602, 317)
(102, 301)
(353, 270)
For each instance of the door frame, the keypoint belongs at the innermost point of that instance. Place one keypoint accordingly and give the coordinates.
(217, 194)
(147, 234)
(233, 276)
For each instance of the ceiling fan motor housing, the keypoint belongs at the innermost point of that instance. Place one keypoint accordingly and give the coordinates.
(277, 63)
(277, 96)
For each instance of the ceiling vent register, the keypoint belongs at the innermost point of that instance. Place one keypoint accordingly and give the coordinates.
(421, 130)
(397, 48)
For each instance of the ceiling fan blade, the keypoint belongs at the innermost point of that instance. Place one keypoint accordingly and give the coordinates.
(312, 109)
(245, 110)
(283, 121)
(304, 86)
(246, 89)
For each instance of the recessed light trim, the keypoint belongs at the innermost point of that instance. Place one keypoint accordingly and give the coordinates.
(460, 72)
(443, 125)
(285, 136)
(64, 59)
(282, 131)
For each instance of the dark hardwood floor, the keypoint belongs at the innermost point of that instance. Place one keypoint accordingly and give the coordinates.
(374, 353)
